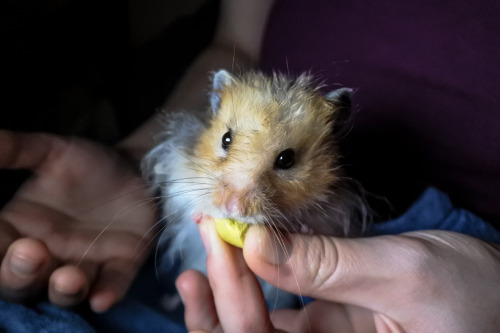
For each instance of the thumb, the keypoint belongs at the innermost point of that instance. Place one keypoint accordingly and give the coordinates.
(362, 271)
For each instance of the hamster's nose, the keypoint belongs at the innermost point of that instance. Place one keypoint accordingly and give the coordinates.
(233, 205)
(231, 201)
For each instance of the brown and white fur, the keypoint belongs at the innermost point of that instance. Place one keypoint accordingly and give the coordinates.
(265, 153)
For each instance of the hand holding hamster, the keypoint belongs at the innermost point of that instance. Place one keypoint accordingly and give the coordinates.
(80, 224)
(417, 282)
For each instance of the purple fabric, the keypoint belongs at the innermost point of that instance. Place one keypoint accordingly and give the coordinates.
(426, 75)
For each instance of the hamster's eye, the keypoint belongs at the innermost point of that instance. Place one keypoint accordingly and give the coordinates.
(227, 138)
(285, 159)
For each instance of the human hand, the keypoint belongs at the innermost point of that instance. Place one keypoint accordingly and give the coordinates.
(428, 281)
(225, 291)
(81, 224)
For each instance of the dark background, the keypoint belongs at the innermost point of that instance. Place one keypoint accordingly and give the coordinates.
(94, 69)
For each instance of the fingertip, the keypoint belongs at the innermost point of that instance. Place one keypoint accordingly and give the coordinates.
(110, 288)
(24, 269)
(102, 301)
(182, 283)
(196, 295)
(265, 246)
(68, 286)
(68, 279)
(27, 256)
(192, 284)
(214, 245)
(253, 244)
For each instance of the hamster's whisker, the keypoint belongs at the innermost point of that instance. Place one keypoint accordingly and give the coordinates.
(157, 249)
(199, 193)
(320, 208)
(117, 216)
(186, 190)
(280, 237)
(272, 233)
(189, 180)
(208, 172)
(198, 168)
(177, 216)
(142, 188)
(280, 240)
(284, 221)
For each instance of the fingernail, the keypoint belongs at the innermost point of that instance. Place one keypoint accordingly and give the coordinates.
(274, 247)
(100, 303)
(21, 265)
(197, 217)
(209, 237)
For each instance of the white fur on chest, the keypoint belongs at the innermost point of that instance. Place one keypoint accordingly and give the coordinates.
(169, 166)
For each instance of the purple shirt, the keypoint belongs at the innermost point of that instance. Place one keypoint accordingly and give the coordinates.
(427, 80)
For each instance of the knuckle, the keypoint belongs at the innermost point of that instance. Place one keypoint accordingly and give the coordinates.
(422, 267)
(321, 263)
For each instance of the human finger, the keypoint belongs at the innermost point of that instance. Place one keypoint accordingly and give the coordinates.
(238, 298)
(68, 285)
(25, 269)
(200, 312)
(8, 234)
(26, 150)
(115, 277)
(105, 283)
(354, 271)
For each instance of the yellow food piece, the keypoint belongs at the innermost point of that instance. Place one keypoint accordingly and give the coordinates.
(231, 230)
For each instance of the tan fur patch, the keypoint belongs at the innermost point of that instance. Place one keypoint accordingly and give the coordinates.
(264, 123)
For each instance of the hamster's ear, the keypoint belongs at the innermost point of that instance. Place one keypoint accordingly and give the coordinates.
(340, 97)
(221, 79)
(342, 101)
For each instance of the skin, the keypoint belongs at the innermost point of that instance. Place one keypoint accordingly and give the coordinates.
(416, 282)
(71, 231)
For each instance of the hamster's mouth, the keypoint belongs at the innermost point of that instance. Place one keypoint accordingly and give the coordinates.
(254, 219)
(261, 219)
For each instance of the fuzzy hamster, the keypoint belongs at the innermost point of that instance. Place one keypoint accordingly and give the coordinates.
(264, 153)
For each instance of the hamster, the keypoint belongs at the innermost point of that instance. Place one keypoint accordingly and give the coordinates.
(264, 153)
